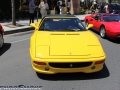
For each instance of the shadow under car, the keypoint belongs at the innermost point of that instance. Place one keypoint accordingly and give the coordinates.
(76, 76)
(5, 47)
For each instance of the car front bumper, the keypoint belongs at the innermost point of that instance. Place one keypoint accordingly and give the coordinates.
(41, 69)
(113, 35)
(48, 69)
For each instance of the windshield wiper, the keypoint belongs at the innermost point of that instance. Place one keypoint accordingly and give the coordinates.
(47, 30)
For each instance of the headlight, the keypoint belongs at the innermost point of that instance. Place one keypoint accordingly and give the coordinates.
(39, 63)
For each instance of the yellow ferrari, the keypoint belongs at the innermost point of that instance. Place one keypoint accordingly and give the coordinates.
(62, 44)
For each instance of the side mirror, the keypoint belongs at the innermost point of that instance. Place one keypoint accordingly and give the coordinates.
(37, 23)
(96, 18)
(40, 20)
(33, 25)
(89, 26)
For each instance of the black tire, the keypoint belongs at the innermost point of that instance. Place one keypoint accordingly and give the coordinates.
(1, 40)
(103, 32)
(86, 23)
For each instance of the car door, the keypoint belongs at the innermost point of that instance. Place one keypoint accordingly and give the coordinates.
(92, 19)
(97, 22)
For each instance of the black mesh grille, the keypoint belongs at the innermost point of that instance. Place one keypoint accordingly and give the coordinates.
(70, 65)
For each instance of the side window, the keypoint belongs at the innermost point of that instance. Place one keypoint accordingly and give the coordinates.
(98, 17)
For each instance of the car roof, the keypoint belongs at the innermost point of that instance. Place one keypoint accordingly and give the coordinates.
(60, 16)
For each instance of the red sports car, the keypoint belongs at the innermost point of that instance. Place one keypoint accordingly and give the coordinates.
(108, 25)
(1, 36)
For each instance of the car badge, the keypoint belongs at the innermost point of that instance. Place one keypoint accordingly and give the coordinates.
(71, 65)
(70, 53)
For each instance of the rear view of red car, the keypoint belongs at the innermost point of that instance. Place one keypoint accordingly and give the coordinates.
(1, 36)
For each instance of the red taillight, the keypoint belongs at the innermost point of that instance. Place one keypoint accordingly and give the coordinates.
(39, 63)
(99, 62)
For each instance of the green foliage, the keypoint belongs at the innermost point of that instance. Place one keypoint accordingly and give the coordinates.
(82, 10)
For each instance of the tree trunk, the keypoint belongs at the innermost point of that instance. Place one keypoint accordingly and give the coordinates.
(13, 12)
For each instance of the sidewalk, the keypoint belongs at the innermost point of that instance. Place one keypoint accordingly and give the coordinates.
(24, 25)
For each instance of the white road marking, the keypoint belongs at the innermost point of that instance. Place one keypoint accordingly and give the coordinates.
(27, 32)
(20, 40)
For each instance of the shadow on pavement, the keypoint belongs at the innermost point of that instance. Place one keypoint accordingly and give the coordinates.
(5, 47)
(116, 41)
(104, 73)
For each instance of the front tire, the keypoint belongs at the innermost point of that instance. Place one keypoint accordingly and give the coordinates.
(103, 32)
(1, 40)
(86, 24)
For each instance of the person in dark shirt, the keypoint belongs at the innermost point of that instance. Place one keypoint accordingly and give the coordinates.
(101, 8)
(57, 8)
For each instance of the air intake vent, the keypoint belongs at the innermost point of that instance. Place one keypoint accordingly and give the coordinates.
(72, 34)
(57, 34)
(70, 65)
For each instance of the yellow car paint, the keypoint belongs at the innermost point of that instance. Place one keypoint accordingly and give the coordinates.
(65, 47)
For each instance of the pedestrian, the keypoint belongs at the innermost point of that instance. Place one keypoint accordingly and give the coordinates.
(106, 8)
(101, 8)
(63, 8)
(93, 7)
(32, 10)
(57, 8)
(68, 6)
(43, 8)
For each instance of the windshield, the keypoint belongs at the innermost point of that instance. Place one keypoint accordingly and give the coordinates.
(62, 24)
(111, 18)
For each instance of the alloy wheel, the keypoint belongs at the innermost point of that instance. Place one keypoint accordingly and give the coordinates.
(86, 24)
(102, 32)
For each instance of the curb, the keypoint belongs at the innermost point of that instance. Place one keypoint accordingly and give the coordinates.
(18, 30)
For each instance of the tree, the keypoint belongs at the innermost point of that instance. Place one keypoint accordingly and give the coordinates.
(13, 12)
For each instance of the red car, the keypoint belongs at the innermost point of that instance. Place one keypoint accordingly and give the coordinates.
(108, 25)
(1, 36)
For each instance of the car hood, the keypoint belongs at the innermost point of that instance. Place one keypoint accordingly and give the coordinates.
(68, 45)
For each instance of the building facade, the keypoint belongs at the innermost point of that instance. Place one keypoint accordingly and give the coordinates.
(75, 5)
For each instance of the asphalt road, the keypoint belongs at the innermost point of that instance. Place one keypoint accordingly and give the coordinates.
(15, 68)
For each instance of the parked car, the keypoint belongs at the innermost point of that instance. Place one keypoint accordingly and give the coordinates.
(1, 36)
(108, 25)
(62, 44)
(113, 8)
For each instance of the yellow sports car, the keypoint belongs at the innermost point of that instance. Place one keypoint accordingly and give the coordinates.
(62, 44)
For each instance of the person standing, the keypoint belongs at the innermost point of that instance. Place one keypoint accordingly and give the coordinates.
(101, 8)
(32, 10)
(57, 8)
(68, 6)
(94, 6)
(43, 8)
(106, 8)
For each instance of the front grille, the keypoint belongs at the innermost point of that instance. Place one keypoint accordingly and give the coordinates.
(70, 65)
